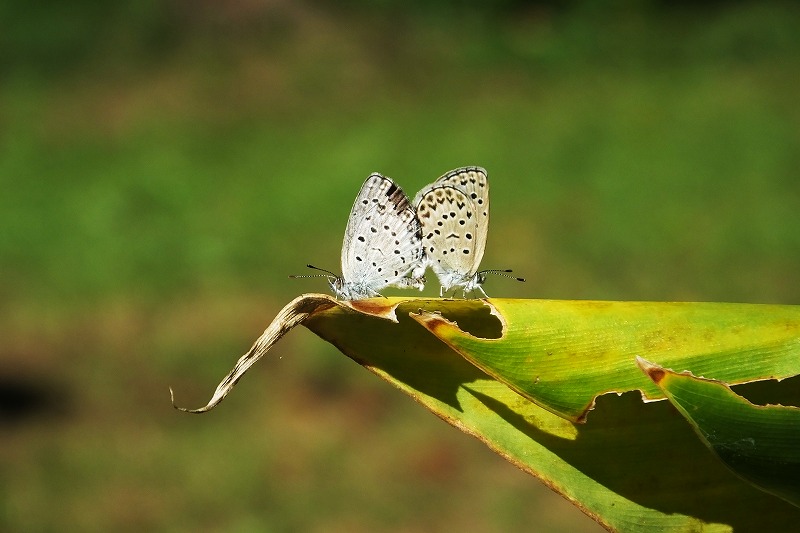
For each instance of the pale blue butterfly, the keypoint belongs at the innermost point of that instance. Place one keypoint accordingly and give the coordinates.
(382, 243)
(453, 213)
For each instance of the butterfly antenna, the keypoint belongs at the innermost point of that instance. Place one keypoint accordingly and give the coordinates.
(503, 273)
(327, 273)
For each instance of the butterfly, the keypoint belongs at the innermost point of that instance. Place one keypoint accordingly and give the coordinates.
(382, 243)
(453, 213)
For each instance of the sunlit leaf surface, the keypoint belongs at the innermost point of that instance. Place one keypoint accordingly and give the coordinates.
(562, 354)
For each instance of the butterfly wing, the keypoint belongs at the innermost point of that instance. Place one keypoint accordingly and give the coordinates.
(382, 239)
(450, 224)
(474, 182)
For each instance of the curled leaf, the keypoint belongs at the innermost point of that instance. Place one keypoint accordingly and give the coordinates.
(293, 314)
(518, 374)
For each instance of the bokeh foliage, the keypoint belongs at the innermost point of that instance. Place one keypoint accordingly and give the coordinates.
(163, 166)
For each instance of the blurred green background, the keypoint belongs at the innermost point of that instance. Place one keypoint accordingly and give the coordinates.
(165, 165)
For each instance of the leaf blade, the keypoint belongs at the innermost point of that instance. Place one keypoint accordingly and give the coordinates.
(632, 466)
(564, 354)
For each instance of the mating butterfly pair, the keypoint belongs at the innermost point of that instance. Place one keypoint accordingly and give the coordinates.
(390, 243)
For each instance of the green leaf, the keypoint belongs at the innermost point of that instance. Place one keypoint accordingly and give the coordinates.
(759, 443)
(632, 466)
(563, 354)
